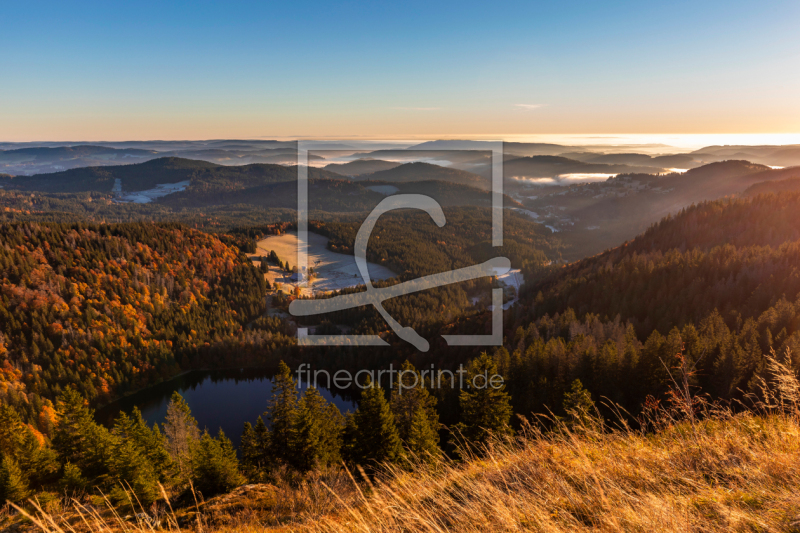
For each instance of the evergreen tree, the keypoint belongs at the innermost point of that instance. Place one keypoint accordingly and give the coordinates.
(215, 468)
(578, 405)
(11, 428)
(317, 431)
(152, 443)
(485, 410)
(72, 478)
(77, 438)
(414, 410)
(17, 441)
(255, 449)
(249, 451)
(423, 439)
(37, 461)
(281, 414)
(130, 470)
(373, 431)
(181, 432)
(13, 484)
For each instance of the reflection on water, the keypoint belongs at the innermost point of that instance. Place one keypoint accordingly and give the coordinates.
(219, 399)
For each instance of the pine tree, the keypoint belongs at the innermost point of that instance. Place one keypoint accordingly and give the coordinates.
(317, 431)
(255, 449)
(485, 410)
(249, 451)
(373, 431)
(37, 461)
(77, 438)
(13, 484)
(11, 431)
(414, 411)
(215, 468)
(423, 439)
(578, 405)
(72, 478)
(131, 470)
(181, 432)
(152, 443)
(17, 441)
(281, 415)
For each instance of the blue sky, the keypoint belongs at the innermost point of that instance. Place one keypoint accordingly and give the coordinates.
(113, 70)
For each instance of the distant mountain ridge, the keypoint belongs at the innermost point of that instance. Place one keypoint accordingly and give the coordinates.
(425, 171)
(262, 185)
(361, 166)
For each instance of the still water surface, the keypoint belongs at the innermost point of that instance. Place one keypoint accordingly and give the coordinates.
(219, 399)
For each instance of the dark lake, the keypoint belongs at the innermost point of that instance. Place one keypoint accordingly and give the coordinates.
(218, 398)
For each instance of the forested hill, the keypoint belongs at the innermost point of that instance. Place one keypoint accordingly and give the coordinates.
(107, 309)
(736, 256)
(411, 244)
(426, 171)
(204, 177)
(260, 185)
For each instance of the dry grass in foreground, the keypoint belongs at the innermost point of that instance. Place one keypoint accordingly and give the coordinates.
(719, 472)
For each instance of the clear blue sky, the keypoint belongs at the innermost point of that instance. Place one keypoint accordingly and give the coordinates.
(104, 70)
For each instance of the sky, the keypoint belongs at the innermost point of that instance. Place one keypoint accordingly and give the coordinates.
(398, 70)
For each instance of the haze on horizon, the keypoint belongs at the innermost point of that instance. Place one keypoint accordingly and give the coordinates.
(91, 71)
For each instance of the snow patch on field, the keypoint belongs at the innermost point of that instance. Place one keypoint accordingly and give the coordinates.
(145, 197)
(527, 212)
(512, 278)
(334, 271)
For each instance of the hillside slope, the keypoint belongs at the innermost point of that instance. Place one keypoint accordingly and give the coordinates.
(736, 256)
(107, 309)
(361, 166)
(597, 216)
(427, 172)
(203, 176)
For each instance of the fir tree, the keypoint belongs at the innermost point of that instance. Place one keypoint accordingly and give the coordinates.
(414, 411)
(13, 484)
(131, 470)
(578, 405)
(255, 449)
(281, 415)
(423, 439)
(181, 432)
(317, 431)
(373, 431)
(485, 410)
(37, 461)
(78, 439)
(249, 451)
(72, 478)
(215, 468)
(10, 431)
(152, 443)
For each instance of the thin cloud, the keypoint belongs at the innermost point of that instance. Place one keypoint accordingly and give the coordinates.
(530, 107)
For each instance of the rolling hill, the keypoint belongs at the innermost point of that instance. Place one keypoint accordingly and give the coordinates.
(361, 166)
(203, 176)
(594, 216)
(425, 172)
(546, 166)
